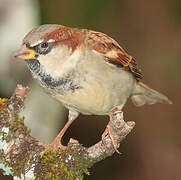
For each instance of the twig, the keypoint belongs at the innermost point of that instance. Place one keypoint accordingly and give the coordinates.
(20, 152)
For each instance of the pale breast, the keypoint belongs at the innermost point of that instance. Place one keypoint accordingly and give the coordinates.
(104, 87)
(90, 86)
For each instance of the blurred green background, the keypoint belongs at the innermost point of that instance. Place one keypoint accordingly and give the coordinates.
(151, 32)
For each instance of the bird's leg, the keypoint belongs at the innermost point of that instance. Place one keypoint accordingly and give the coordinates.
(57, 141)
(108, 130)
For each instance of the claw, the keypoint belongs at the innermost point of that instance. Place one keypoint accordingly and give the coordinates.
(108, 131)
(52, 147)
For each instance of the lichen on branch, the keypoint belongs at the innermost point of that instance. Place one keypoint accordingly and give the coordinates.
(20, 153)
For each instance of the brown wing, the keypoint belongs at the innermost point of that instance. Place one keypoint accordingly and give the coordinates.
(112, 52)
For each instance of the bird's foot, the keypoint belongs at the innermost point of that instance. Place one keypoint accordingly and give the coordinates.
(53, 147)
(108, 132)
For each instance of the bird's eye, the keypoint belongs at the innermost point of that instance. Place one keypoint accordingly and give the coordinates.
(43, 48)
(27, 45)
(44, 45)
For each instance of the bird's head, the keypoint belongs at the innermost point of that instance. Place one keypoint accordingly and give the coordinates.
(51, 47)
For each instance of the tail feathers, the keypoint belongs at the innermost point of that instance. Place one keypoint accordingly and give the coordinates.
(142, 94)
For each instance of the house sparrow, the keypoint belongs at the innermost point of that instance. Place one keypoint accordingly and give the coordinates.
(87, 71)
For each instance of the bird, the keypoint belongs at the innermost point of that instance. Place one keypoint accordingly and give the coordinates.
(87, 71)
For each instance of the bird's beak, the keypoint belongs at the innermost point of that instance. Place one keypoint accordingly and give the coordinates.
(25, 54)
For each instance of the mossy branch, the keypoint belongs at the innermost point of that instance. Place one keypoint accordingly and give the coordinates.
(20, 153)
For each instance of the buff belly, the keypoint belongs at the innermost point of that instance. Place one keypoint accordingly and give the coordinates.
(89, 86)
(100, 93)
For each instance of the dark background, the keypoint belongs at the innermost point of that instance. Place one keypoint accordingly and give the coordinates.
(151, 32)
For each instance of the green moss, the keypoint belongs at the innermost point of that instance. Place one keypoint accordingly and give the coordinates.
(10, 119)
(66, 164)
(15, 123)
(18, 124)
(48, 167)
(3, 106)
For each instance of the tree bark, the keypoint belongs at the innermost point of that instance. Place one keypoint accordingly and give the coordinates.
(20, 153)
